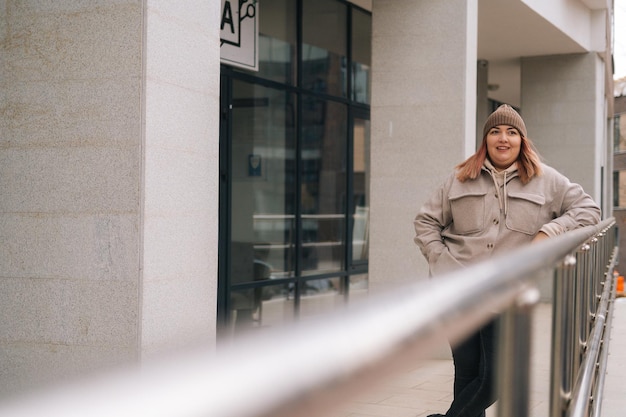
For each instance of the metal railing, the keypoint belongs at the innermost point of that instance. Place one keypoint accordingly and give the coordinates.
(584, 289)
(308, 369)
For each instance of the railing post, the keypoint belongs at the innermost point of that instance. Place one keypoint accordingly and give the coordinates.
(514, 356)
(562, 337)
(596, 403)
(593, 278)
(581, 315)
(600, 266)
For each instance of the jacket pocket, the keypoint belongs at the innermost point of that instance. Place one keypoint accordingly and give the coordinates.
(468, 212)
(523, 212)
(444, 263)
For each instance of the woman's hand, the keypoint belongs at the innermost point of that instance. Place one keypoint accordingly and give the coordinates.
(540, 236)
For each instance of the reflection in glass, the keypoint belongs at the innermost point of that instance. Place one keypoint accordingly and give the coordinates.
(619, 177)
(324, 51)
(263, 184)
(361, 55)
(323, 191)
(261, 307)
(358, 287)
(360, 190)
(321, 296)
(619, 184)
(619, 135)
(277, 40)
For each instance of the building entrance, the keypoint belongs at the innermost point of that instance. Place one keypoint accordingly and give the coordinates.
(294, 167)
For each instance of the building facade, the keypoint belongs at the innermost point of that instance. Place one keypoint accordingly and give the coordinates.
(619, 165)
(156, 195)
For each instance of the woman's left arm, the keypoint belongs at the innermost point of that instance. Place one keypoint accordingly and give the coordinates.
(577, 209)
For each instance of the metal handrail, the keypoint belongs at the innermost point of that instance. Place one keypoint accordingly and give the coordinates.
(309, 368)
(583, 388)
(598, 396)
(586, 394)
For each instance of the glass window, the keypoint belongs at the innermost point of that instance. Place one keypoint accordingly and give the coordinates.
(320, 296)
(615, 188)
(262, 183)
(361, 55)
(261, 307)
(277, 41)
(360, 190)
(293, 142)
(324, 46)
(620, 133)
(323, 191)
(359, 286)
(619, 189)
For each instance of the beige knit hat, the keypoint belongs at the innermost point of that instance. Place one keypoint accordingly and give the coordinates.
(505, 115)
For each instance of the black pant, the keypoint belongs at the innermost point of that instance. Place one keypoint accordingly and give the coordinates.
(474, 373)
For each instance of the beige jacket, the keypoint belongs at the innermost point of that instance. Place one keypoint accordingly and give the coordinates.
(466, 222)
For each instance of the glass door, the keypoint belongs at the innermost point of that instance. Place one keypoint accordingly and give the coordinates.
(360, 190)
(294, 207)
(260, 265)
(294, 167)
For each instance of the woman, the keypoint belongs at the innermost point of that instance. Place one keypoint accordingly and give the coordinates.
(497, 200)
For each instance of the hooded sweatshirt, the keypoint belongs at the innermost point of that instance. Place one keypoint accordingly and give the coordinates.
(466, 222)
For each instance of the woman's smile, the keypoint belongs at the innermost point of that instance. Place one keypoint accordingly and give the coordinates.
(503, 146)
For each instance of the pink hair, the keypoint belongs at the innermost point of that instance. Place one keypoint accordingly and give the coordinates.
(528, 162)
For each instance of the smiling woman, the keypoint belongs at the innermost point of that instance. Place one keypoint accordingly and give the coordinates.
(508, 120)
(503, 146)
(503, 134)
(497, 200)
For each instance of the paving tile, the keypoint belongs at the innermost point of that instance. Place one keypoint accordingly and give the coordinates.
(379, 410)
(614, 393)
(426, 387)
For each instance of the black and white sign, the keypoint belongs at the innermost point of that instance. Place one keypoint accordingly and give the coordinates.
(239, 33)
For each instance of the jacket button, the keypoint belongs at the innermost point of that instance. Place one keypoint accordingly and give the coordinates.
(496, 221)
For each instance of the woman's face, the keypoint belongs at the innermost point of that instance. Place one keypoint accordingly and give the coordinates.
(503, 146)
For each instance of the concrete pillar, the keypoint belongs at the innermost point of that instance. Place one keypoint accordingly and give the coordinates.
(564, 108)
(423, 120)
(108, 178)
(181, 165)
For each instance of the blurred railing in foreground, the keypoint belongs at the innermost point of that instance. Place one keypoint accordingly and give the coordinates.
(310, 368)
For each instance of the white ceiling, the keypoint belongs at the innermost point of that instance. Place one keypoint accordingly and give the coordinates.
(508, 30)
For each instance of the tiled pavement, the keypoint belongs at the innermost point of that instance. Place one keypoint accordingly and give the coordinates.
(614, 400)
(426, 387)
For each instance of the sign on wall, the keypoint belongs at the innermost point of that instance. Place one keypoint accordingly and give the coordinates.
(239, 33)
